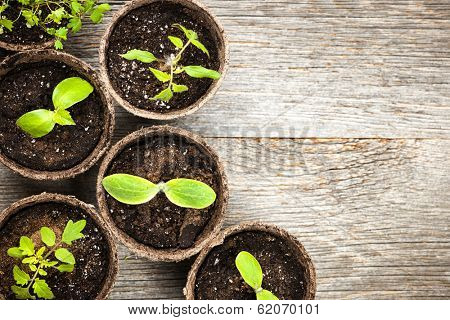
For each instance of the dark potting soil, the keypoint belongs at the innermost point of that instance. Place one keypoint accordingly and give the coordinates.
(219, 279)
(148, 28)
(91, 252)
(20, 33)
(159, 223)
(29, 87)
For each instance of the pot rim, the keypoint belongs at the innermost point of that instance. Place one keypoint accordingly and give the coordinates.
(224, 54)
(209, 231)
(310, 272)
(113, 266)
(83, 68)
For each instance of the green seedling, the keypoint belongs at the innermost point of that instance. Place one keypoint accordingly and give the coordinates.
(38, 262)
(185, 193)
(40, 122)
(55, 17)
(251, 272)
(172, 63)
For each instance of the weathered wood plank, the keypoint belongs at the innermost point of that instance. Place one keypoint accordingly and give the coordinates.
(373, 213)
(324, 69)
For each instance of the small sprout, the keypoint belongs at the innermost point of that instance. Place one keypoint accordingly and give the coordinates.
(173, 63)
(67, 15)
(40, 122)
(251, 272)
(185, 193)
(39, 262)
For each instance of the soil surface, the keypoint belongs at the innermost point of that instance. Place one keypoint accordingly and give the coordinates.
(159, 223)
(219, 279)
(29, 87)
(20, 33)
(148, 28)
(91, 252)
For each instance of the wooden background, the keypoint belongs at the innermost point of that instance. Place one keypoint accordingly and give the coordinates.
(333, 123)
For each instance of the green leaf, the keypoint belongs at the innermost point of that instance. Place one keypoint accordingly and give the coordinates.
(63, 118)
(58, 45)
(65, 268)
(140, 55)
(30, 260)
(98, 12)
(188, 193)
(176, 41)
(250, 269)
(48, 236)
(201, 72)
(40, 252)
(130, 189)
(164, 95)
(22, 293)
(27, 246)
(161, 76)
(42, 272)
(8, 24)
(265, 295)
(72, 231)
(190, 34)
(30, 17)
(71, 91)
(21, 277)
(15, 252)
(65, 256)
(32, 267)
(48, 264)
(37, 123)
(61, 33)
(75, 24)
(42, 290)
(200, 45)
(179, 88)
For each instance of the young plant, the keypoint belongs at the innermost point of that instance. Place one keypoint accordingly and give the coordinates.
(251, 272)
(55, 17)
(172, 64)
(40, 122)
(185, 193)
(38, 262)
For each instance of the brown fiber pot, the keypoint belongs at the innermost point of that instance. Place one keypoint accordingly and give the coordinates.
(11, 62)
(209, 231)
(25, 47)
(206, 14)
(302, 256)
(110, 278)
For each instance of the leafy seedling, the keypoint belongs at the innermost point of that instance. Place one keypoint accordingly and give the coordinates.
(55, 17)
(39, 261)
(251, 272)
(173, 63)
(40, 122)
(185, 193)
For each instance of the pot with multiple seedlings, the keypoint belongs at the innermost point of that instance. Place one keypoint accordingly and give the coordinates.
(40, 24)
(163, 59)
(55, 118)
(252, 261)
(164, 191)
(55, 247)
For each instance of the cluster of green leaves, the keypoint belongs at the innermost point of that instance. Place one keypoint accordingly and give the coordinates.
(251, 272)
(68, 92)
(39, 261)
(185, 193)
(55, 17)
(174, 64)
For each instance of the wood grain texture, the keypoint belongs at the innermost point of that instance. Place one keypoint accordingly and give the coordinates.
(324, 68)
(367, 84)
(373, 213)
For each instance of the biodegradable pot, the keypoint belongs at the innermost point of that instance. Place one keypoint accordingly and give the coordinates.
(123, 77)
(27, 216)
(68, 150)
(159, 230)
(29, 35)
(295, 277)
